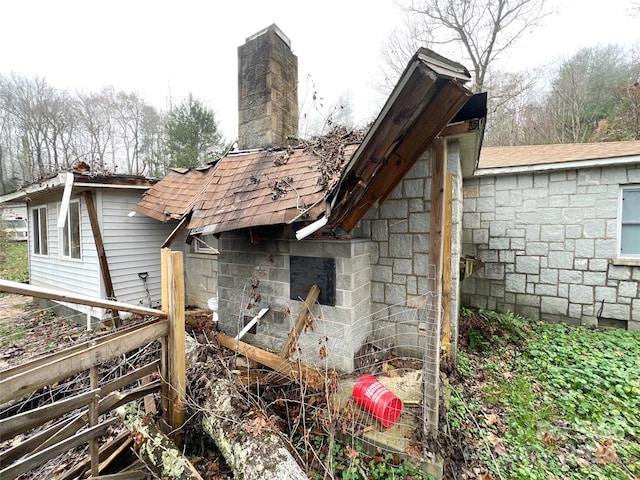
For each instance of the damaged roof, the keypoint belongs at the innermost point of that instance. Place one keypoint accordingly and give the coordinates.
(78, 179)
(339, 176)
(172, 196)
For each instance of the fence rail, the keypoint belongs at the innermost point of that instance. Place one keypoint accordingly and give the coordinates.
(21, 380)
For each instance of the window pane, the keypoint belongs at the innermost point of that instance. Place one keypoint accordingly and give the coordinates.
(74, 229)
(631, 206)
(44, 239)
(36, 230)
(630, 242)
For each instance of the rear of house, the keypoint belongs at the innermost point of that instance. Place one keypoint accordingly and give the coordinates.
(84, 240)
(558, 227)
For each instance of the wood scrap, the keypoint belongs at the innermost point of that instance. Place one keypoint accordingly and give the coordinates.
(311, 299)
(295, 371)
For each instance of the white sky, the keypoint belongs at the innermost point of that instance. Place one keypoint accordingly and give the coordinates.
(165, 49)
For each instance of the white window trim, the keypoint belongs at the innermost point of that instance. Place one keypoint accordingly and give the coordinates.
(631, 256)
(201, 249)
(66, 226)
(37, 232)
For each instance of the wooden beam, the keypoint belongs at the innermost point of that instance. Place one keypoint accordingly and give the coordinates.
(53, 357)
(446, 267)
(436, 250)
(182, 225)
(26, 464)
(102, 254)
(177, 362)
(308, 304)
(16, 386)
(272, 360)
(58, 295)
(20, 423)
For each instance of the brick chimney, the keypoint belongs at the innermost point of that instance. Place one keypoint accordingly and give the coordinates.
(267, 90)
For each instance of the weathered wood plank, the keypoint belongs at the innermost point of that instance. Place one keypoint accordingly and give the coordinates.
(102, 254)
(67, 427)
(436, 238)
(312, 296)
(29, 463)
(446, 266)
(177, 360)
(53, 357)
(12, 426)
(272, 360)
(16, 386)
(51, 294)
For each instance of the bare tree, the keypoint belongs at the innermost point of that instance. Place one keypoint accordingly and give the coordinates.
(477, 30)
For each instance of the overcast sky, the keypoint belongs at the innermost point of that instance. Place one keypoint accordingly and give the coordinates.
(166, 49)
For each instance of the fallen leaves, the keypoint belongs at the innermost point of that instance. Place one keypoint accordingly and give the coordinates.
(605, 453)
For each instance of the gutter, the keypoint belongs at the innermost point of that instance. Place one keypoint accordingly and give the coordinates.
(576, 164)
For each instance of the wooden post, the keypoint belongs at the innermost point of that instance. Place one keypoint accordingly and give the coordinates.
(446, 267)
(436, 252)
(312, 296)
(173, 291)
(94, 446)
(102, 255)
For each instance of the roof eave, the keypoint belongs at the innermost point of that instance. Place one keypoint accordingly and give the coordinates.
(426, 98)
(541, 167)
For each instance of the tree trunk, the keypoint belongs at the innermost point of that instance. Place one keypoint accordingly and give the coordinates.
(251, 447)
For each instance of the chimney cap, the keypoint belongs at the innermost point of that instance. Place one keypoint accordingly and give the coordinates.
(273, 27)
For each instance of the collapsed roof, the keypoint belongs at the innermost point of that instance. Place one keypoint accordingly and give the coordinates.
(338, 177)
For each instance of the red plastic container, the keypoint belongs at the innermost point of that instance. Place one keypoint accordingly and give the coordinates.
(377, 399)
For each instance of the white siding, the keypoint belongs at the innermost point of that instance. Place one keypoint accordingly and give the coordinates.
(74, 275)
(132, 246)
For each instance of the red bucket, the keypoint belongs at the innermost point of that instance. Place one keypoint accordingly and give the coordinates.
(377, 399)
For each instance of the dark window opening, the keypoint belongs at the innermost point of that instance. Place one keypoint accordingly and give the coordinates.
(307, 271)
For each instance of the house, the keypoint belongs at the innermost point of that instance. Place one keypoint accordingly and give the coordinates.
(368, 216)
(83, 240)
(558, 227)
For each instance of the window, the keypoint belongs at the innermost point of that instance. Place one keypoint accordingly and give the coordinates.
(203, 244)
(630, 222)
(70, 232)
(39, 240)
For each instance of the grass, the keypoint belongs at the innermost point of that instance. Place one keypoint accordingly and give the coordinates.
(548, 401)
(14, 260)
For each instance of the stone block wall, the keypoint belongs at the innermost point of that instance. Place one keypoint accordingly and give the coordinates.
(401, 271)
(549, 243)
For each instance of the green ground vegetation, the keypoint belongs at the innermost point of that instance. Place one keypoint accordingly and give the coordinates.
(538, 400)
(14, 262)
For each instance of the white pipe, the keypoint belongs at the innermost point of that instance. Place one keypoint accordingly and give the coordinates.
(311, 228)
(248, 326)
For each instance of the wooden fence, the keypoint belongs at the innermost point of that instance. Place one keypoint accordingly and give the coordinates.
(165, 374)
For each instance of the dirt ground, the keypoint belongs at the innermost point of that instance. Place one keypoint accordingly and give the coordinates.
(28, 331)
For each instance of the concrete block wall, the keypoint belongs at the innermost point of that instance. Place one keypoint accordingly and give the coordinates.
(255, 276)
(549, 243)
(201, 277)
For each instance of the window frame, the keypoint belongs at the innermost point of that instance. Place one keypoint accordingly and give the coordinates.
(199, 248)
(68, 234)
(40, 237)
(621, 223)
